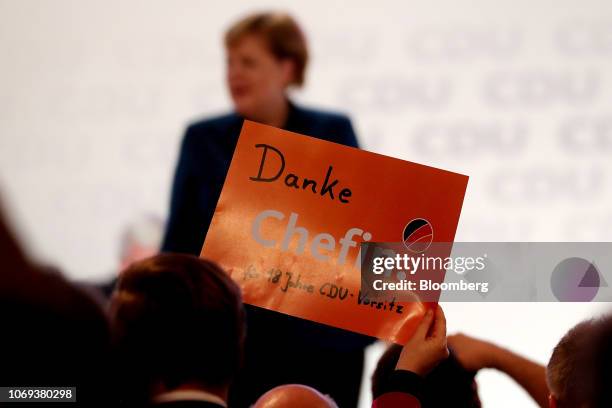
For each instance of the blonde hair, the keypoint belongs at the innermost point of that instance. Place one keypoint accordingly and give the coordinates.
(282, 34)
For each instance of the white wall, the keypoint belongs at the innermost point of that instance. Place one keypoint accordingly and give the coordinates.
(516, 94)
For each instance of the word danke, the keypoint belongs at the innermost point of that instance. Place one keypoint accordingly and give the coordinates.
(270, 171)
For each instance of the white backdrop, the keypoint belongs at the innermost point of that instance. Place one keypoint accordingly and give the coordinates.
(516, 94)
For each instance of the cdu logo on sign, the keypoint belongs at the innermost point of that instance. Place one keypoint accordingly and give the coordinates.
(418, 235)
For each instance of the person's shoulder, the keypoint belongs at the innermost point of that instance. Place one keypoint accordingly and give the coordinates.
(214, 125)
(326, 124)
(215, 129)
(327, 116)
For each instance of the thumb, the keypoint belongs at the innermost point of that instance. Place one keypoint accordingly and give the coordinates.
(423, 327)
(439, 325)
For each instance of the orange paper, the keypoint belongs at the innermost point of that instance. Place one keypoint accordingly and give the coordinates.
(293, 211)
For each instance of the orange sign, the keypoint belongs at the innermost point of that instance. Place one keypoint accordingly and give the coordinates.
(293, 211)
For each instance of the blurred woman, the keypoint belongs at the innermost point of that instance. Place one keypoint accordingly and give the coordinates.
(266, 55)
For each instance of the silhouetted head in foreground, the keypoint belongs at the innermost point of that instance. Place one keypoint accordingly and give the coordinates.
(578, 372)
(447, 385)
(53, 333)
(294, 396)
(178, 323)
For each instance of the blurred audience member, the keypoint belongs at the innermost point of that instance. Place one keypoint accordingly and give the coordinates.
(578, 372)
(459, 387)
(140, 239)
(53, 334)
(294, 396)
(178, 326)
(266, 55)
(474, 354)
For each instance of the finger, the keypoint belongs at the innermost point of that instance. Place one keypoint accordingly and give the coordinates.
(423, 327)
(438, 328)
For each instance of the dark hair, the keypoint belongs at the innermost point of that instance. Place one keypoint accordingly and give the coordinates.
(578, 372)
(177, 319)
(603, 363)
(282, 35)
(447, 385)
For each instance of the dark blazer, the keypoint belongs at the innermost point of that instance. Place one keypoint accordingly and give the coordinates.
(204, 160)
